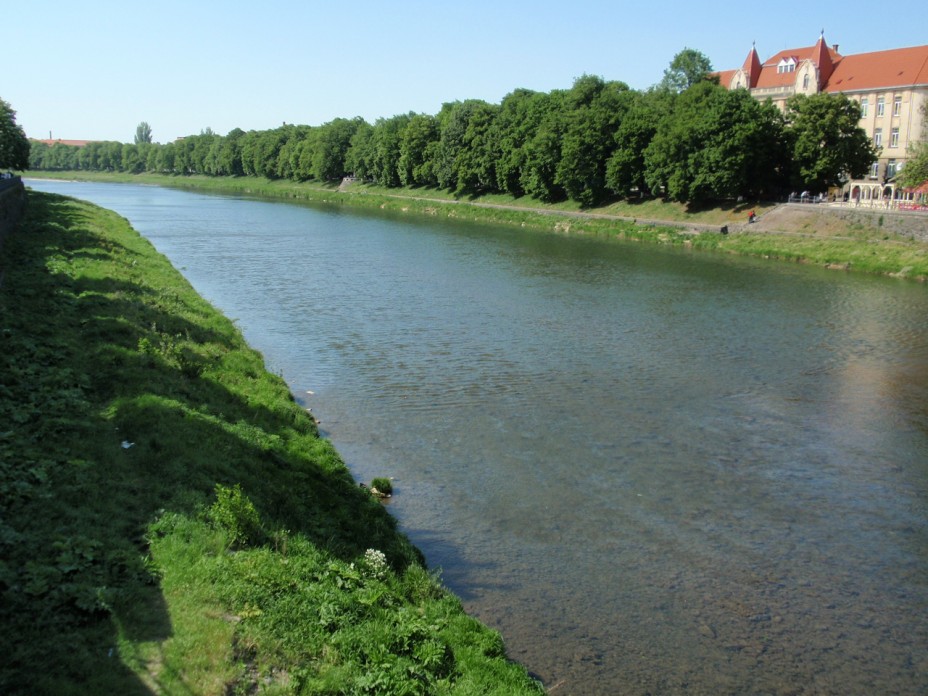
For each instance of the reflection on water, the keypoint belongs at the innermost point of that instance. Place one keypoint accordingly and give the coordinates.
(653, 472)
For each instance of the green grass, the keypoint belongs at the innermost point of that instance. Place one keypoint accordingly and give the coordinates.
(894, 256)
(170, 521)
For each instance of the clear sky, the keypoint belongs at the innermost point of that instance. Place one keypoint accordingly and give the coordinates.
(94, 69)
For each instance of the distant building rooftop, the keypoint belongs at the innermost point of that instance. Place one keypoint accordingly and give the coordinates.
(56, 141)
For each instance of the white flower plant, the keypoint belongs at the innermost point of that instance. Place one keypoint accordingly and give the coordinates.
(374, 564)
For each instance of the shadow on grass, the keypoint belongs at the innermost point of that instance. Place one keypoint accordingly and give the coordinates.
(125, 395)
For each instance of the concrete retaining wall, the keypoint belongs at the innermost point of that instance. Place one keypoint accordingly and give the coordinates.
(838, 220)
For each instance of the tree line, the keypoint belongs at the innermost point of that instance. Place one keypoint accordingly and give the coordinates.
(692, 141)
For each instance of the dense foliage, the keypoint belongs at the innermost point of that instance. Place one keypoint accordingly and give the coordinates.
(915, 172)
(14, 146)
(688, 139)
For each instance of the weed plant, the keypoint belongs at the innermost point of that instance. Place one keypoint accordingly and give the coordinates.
(170, 521)
(383, 485)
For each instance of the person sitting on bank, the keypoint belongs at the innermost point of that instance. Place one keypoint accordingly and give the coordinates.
(751, 217)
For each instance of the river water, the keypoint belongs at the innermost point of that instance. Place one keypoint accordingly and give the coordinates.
(654, 471)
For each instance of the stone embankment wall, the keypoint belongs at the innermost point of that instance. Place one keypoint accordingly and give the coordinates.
(825, 220)
(12, 202)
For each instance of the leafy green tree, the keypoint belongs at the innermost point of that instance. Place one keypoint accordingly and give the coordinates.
(14, 146)
(264, 149)
(130, 160)
(915, 171)
(154, 158)
(294, 159)
(142, 133)
(465, 161)
(383, 153)
(415, 164)
(229, 159)
(333, 140)
(625, 170)
(715, 144)
(38, 156)
(516, 124)
(827, 145)
(359, 158)
(110, 157)
(596, 110)
(302, 154)
(687, 68)
(542, 153)
(169, 158)
(89, 157)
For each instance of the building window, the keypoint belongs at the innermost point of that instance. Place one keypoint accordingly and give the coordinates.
(805, 81)
(787, 65)
(894, 137)
(897, 105)
(864, 107)
(891, 169)
(874, 170)
(878, 137)
(880, 105)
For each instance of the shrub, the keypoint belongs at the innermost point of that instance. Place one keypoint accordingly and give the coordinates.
(235, 514)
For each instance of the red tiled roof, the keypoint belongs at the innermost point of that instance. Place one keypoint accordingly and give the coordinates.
(74, 143)
(898, 67)
(769, 77)
(752, 67)
(725, 77)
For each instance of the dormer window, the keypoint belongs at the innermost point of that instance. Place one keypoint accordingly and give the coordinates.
(786, 65)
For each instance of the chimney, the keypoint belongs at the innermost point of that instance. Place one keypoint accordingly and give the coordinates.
(834, 47)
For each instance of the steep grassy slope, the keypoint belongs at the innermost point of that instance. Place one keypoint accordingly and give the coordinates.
(170, 521)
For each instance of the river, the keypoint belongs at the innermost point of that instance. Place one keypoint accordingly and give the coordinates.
(653, 471)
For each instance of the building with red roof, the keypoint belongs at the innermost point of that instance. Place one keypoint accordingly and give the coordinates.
(890, 86)
(58, 141)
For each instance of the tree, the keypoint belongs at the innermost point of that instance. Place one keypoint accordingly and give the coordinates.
(384, 152)
(465, 162)
(687, 68)
(14, 146)
(597, 109)
(229, 159)
(542, 153)
(515, 125)
(142, 133)
(332, 143)
(359, 158)
(415, 166)
(625, 170)
(915, 171)
(715, 144)
(827, 145)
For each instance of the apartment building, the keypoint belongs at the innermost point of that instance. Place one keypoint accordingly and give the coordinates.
(890, 86)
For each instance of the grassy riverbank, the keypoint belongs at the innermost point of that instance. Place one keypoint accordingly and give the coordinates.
(171, 521)
(859, 243)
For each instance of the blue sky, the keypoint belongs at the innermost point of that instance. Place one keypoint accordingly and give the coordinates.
(95, 69)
